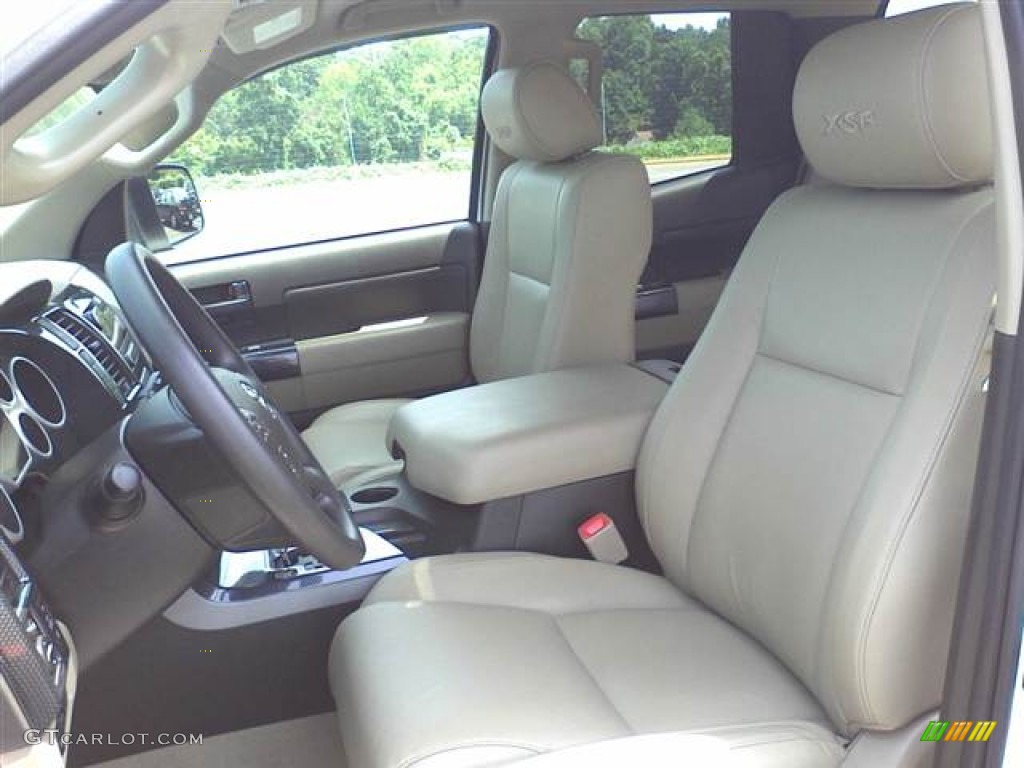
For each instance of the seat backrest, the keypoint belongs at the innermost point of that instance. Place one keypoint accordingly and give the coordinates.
(809, 474)
(570, 233)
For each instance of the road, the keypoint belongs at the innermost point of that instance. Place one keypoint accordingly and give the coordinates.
(240, 220)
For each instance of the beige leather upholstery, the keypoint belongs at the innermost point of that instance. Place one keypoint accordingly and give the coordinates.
(928, 127)
(481, 658)
(511, 437)
(768, 746)
(809, 474)
(537, 113)
(805, 485)
(348, 442)
(570, 234)
(569, 237)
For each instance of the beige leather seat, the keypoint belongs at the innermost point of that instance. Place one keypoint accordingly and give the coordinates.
(570, 234)
(805, 483)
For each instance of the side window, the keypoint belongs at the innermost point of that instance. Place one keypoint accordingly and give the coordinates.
(899, 7)
(666, 89)
(370, 139)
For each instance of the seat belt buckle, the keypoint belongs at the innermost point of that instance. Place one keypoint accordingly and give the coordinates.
(602, 538)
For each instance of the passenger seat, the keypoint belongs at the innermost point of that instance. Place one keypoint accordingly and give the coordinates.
(570, 234)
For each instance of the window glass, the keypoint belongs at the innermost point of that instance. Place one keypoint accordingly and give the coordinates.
(68, 107)
(22, 20)
(667, 89)
(899, 7)
(369, 139)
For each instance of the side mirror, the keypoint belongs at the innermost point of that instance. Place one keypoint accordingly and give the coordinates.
(177, 202)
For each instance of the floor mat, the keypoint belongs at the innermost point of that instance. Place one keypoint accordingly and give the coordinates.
(311, 742)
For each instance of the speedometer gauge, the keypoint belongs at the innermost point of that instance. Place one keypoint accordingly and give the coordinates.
(10, 521)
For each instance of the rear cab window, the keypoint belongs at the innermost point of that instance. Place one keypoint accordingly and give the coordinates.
(900, 7)
(666, 91)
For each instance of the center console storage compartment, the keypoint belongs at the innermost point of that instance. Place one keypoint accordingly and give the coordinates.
(416, 523)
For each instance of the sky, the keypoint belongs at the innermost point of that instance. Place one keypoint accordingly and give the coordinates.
(676, 20)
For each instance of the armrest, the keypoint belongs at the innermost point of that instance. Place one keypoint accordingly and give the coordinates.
(512, 437)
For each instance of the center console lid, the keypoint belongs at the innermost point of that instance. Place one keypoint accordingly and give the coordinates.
(516, 436)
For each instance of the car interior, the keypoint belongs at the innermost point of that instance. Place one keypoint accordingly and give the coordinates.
(465, 383)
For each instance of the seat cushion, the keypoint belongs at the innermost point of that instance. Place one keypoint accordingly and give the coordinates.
(778, 745)
(474, 660)
(349, 442)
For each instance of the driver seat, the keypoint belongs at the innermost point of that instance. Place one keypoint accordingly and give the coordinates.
(570, 233)
(805, 484)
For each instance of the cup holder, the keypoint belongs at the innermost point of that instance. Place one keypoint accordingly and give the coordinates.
(375, 495)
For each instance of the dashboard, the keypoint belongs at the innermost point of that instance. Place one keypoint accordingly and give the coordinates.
(113, 499)
(69, 368)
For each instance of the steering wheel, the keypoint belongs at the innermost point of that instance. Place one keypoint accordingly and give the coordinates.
(227, 401)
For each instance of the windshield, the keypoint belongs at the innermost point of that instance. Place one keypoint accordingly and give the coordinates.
(22, 20)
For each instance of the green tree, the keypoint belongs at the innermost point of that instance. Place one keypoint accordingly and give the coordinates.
(416, 99)
(673, 82)
(399, 101)
(628, 46)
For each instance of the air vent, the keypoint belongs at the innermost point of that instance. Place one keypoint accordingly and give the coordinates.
(90, 339)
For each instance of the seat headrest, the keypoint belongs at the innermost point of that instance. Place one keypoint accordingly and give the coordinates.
(538, 113)
(899, 103)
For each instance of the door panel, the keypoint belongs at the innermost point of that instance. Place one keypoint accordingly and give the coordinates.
(346, 306)
(381, 315)
(701, 224)
(670, 333)
(381, 361)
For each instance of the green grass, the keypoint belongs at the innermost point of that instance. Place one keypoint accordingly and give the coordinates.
(668, 149)
(294, 176)
(678, 149)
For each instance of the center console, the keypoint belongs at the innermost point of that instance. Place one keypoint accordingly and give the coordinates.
(514, 464)
(516, 436)
(266, 585)
(37, 668)
(518, 464)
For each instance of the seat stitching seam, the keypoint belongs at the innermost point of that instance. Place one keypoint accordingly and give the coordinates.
(755, 743)
(926, 474)
(922, 485)
(592, 676)
(419, 757)
(808, 727)
(725, 427)
(631, 609)
(505, 183)
(827, 374)
(860, 652)
(531, 278)
(923, 103)
(552, 316)
(710, 466)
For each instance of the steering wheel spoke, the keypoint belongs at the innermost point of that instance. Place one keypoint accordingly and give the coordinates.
(225, 399)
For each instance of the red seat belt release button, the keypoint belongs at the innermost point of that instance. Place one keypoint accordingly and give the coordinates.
(603, 539)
